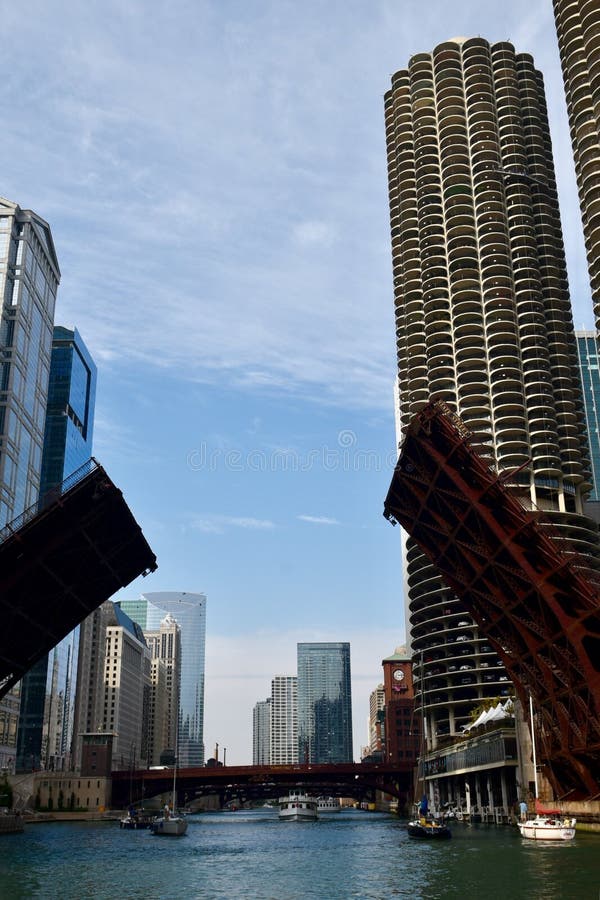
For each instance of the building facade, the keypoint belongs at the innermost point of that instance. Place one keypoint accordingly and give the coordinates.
(577, 31)
(113, 686)
(324, 703)
(165, 650)
(261, 732)
(283, 741)
(376, 721)
(29, 278)
(402, 725)
(189, 611)
(47, 693)
(589, 367)
(483, 322)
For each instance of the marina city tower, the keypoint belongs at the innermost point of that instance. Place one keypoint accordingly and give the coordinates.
(578, 31)
(483, 322)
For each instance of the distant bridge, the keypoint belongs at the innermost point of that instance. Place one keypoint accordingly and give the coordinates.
(357, 780)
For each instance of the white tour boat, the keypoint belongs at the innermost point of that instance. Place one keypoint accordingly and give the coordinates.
(547, 824)
(328, 805)
(298, 807)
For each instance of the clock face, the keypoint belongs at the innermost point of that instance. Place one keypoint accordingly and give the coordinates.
(399, 675)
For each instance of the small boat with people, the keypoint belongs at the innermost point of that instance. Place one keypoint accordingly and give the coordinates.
(170, 823)
(298, 807)
(547, 824)
(550, 825)
(428, 829)
(425, 826)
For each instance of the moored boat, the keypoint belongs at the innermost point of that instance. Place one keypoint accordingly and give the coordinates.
(136, 819)
(428, 829)
(298, 807)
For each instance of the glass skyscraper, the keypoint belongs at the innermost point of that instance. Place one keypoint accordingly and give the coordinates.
(324, 703)
(589, 366)
(189, 611)
(45, 730)
(29, 277)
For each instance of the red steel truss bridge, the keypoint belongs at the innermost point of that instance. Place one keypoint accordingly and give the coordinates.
(531, 595)
(247, 783)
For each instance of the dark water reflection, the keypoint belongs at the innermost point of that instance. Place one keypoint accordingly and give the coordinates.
(366, 856)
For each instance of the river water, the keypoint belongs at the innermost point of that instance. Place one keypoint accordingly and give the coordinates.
(352, 855)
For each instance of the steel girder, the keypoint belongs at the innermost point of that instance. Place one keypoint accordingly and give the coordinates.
(531, 595)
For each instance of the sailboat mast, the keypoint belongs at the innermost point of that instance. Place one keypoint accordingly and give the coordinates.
(533, 746)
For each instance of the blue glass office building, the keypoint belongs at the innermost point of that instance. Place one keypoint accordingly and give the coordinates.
(589, 365)
(45, 729)
(189, 611)
(324, 703)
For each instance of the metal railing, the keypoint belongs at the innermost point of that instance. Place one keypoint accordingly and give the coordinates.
(53, 494)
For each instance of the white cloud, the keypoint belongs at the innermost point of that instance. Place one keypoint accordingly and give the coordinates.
(219, 524)
(314, 233)
(319, 520)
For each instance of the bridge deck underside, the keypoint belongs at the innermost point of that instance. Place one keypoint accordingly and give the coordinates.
(529, 596)
(356, 780)
(61, 565)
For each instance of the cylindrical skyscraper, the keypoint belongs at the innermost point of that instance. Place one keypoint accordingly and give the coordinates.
(483, 319)
(578, 30)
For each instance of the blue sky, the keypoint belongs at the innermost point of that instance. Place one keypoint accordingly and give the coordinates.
(214, 176)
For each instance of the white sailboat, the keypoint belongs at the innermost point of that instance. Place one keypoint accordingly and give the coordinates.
(547, 824)
(170, 823)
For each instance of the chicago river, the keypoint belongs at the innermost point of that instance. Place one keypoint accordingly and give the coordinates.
(251, 854)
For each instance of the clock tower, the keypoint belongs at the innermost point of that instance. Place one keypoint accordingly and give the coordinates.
(402, 726)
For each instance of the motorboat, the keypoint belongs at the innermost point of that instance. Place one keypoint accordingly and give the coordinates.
(428, 829)
(328, 805)
(298, 807)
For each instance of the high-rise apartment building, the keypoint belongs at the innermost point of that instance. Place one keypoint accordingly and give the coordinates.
(324, 703)
(189, 611)
(29, 278)
(283, 748)
(261, 732)
(483, 322)
(47, 701)
(577, 30)
(165, 648)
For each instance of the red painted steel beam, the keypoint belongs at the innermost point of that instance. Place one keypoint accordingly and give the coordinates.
(532, 596)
